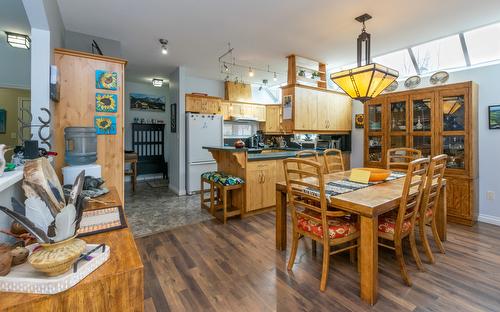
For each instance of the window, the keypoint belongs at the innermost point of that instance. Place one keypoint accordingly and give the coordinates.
(483, 44)
(439, 54)
(399, 60)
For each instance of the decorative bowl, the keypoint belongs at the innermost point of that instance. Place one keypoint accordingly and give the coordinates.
(239, 144)
(57, 258)
(377, 174)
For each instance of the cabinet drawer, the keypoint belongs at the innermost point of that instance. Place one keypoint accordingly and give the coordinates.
(261, 165)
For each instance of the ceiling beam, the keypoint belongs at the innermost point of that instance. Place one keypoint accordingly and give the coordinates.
(465, 50)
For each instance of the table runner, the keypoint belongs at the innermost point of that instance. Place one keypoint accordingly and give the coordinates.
(334, 188)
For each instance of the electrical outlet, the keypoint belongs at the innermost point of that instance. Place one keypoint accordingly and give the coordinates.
(490, 195)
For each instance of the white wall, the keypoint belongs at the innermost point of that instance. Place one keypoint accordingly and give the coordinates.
(83, 42)
(357, 137)
(201, 85)
(130, 114)
(489, 140)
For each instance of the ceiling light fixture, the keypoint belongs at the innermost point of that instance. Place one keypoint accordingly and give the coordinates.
(164, 48)
(250, 72)
(157, 82)
(18, 40)
(369, 79)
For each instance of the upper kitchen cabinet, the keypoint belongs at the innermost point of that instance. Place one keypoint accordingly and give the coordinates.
(317, 110)
(307, 72)
(203, 104)
(273, 119)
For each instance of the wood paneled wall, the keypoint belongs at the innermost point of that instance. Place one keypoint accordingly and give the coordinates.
(76, 107)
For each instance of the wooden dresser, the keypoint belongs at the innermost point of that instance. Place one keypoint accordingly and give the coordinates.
(117, 285)
(434, 120)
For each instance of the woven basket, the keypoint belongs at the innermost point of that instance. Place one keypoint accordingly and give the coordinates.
(55, 259)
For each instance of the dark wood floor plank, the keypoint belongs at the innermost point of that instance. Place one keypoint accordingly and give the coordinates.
(235, 267)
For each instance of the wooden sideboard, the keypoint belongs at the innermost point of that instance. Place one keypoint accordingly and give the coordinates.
(77, 108)
(117, 285)
(434, 120)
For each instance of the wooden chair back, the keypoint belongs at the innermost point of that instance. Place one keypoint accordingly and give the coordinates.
(308, 194)
(307, 153)
(399, 158)
(333, 160)
(433, 184)
(412, 195)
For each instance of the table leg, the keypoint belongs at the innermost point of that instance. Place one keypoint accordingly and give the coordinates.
(441, 213)
(369, 260)
(280, 220)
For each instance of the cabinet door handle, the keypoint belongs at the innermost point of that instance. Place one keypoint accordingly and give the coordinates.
(260, 177)
(263, 178)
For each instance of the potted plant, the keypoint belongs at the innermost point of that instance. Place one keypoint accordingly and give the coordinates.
(315, 75)
(302, 73)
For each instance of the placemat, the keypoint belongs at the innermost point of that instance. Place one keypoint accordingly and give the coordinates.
(101, 220)
(334, 188)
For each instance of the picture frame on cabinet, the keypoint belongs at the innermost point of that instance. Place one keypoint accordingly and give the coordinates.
(173, 117)
(494, 117)
(105, 125)
(106, 80)
(106, 102)
(287, 107)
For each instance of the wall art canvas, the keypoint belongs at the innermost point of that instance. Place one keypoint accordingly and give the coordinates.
(147, 102)
(106, 102)
(173, 118)
(3, 120)
(105, 125)
(359, 121)
(494, 116)
(106, 80)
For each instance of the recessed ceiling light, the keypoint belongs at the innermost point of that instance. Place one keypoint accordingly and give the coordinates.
(18, 40)
(157, 82)
(164, 48)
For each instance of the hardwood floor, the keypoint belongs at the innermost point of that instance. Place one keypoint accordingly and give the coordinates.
(235, 267)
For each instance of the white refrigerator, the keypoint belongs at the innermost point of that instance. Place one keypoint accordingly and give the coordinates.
(201, 130)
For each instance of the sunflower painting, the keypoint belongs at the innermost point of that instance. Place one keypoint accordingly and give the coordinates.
(105, 124)
(107, 103)
(106, 80)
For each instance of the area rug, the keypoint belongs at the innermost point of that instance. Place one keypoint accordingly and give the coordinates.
(158, 183)
(152, 210)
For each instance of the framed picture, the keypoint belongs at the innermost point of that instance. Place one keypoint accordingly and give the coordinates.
(147, 102)
(105, 102)
(359, 121)
(106, 80)
(494, 116)
(287, 107)
(3, 120)
(173, 118)
(105, 125)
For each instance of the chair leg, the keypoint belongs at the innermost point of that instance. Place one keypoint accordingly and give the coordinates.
(402, 266)
(212, 199)
(202, 194)
(326, 266)
(359, 254)
(293, 251)
(414, 250)
(224, 205)
(425, 241)
(352, 252)
(437, 239)
(313, 247)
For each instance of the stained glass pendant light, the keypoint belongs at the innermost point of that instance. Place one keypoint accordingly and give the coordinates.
(369, 79)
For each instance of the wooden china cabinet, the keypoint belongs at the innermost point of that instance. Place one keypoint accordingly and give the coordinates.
(434, 120)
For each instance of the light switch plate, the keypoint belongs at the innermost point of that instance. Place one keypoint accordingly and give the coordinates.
(490, 195)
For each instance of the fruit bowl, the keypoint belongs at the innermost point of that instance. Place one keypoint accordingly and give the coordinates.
(377, 174)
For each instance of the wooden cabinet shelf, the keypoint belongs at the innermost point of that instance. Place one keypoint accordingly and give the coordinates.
(437, 120)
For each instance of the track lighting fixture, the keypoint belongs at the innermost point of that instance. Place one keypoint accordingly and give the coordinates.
(250, 72)
(275, 77)
(164, 48)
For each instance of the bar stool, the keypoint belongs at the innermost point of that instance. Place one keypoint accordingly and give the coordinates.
(224, 184)
(206, 177)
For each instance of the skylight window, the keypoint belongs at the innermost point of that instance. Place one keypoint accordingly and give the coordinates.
(483, 44)
(399, 60)
(439, 54)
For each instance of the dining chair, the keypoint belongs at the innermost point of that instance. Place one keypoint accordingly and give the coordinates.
(310, 214)
(399, 158)
(394, 226)
(430, 202)
(333, 160)
(306, 153)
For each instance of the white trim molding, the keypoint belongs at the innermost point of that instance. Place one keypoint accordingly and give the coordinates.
(489, 219)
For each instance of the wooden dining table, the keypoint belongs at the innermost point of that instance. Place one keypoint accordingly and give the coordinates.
(368, 203)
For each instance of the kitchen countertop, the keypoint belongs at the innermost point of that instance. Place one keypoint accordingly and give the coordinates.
(226, 148)
(276, 155)
(254, 155)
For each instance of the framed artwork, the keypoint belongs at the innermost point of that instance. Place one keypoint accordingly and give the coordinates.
(359, 121)
(494, 116)
(106, 102)
(147, 102)
(105, 125)
(3, 120)
(106, 80)
(173, 117)
(287, 107)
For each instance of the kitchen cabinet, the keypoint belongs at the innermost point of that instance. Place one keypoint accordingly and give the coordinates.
(318, 110)
(225, 110)
(202, 104)
(260, 184)
(273, 119)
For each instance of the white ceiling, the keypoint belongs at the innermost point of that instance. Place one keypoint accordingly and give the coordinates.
(263, 32)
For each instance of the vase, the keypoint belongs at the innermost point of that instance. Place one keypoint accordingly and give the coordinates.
(57, 258)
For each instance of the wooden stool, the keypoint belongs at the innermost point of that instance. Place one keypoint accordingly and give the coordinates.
(223, 193)
(131, 158)
(205, 178)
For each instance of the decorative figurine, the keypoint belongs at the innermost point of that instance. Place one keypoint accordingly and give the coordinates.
(3, 163)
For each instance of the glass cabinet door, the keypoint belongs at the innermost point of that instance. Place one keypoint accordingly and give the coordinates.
(375, 117)
(424, 144)
(397, 116)
(397, 141)
(421, 114)
(375, 148)
(453, 108)
(454, 147)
